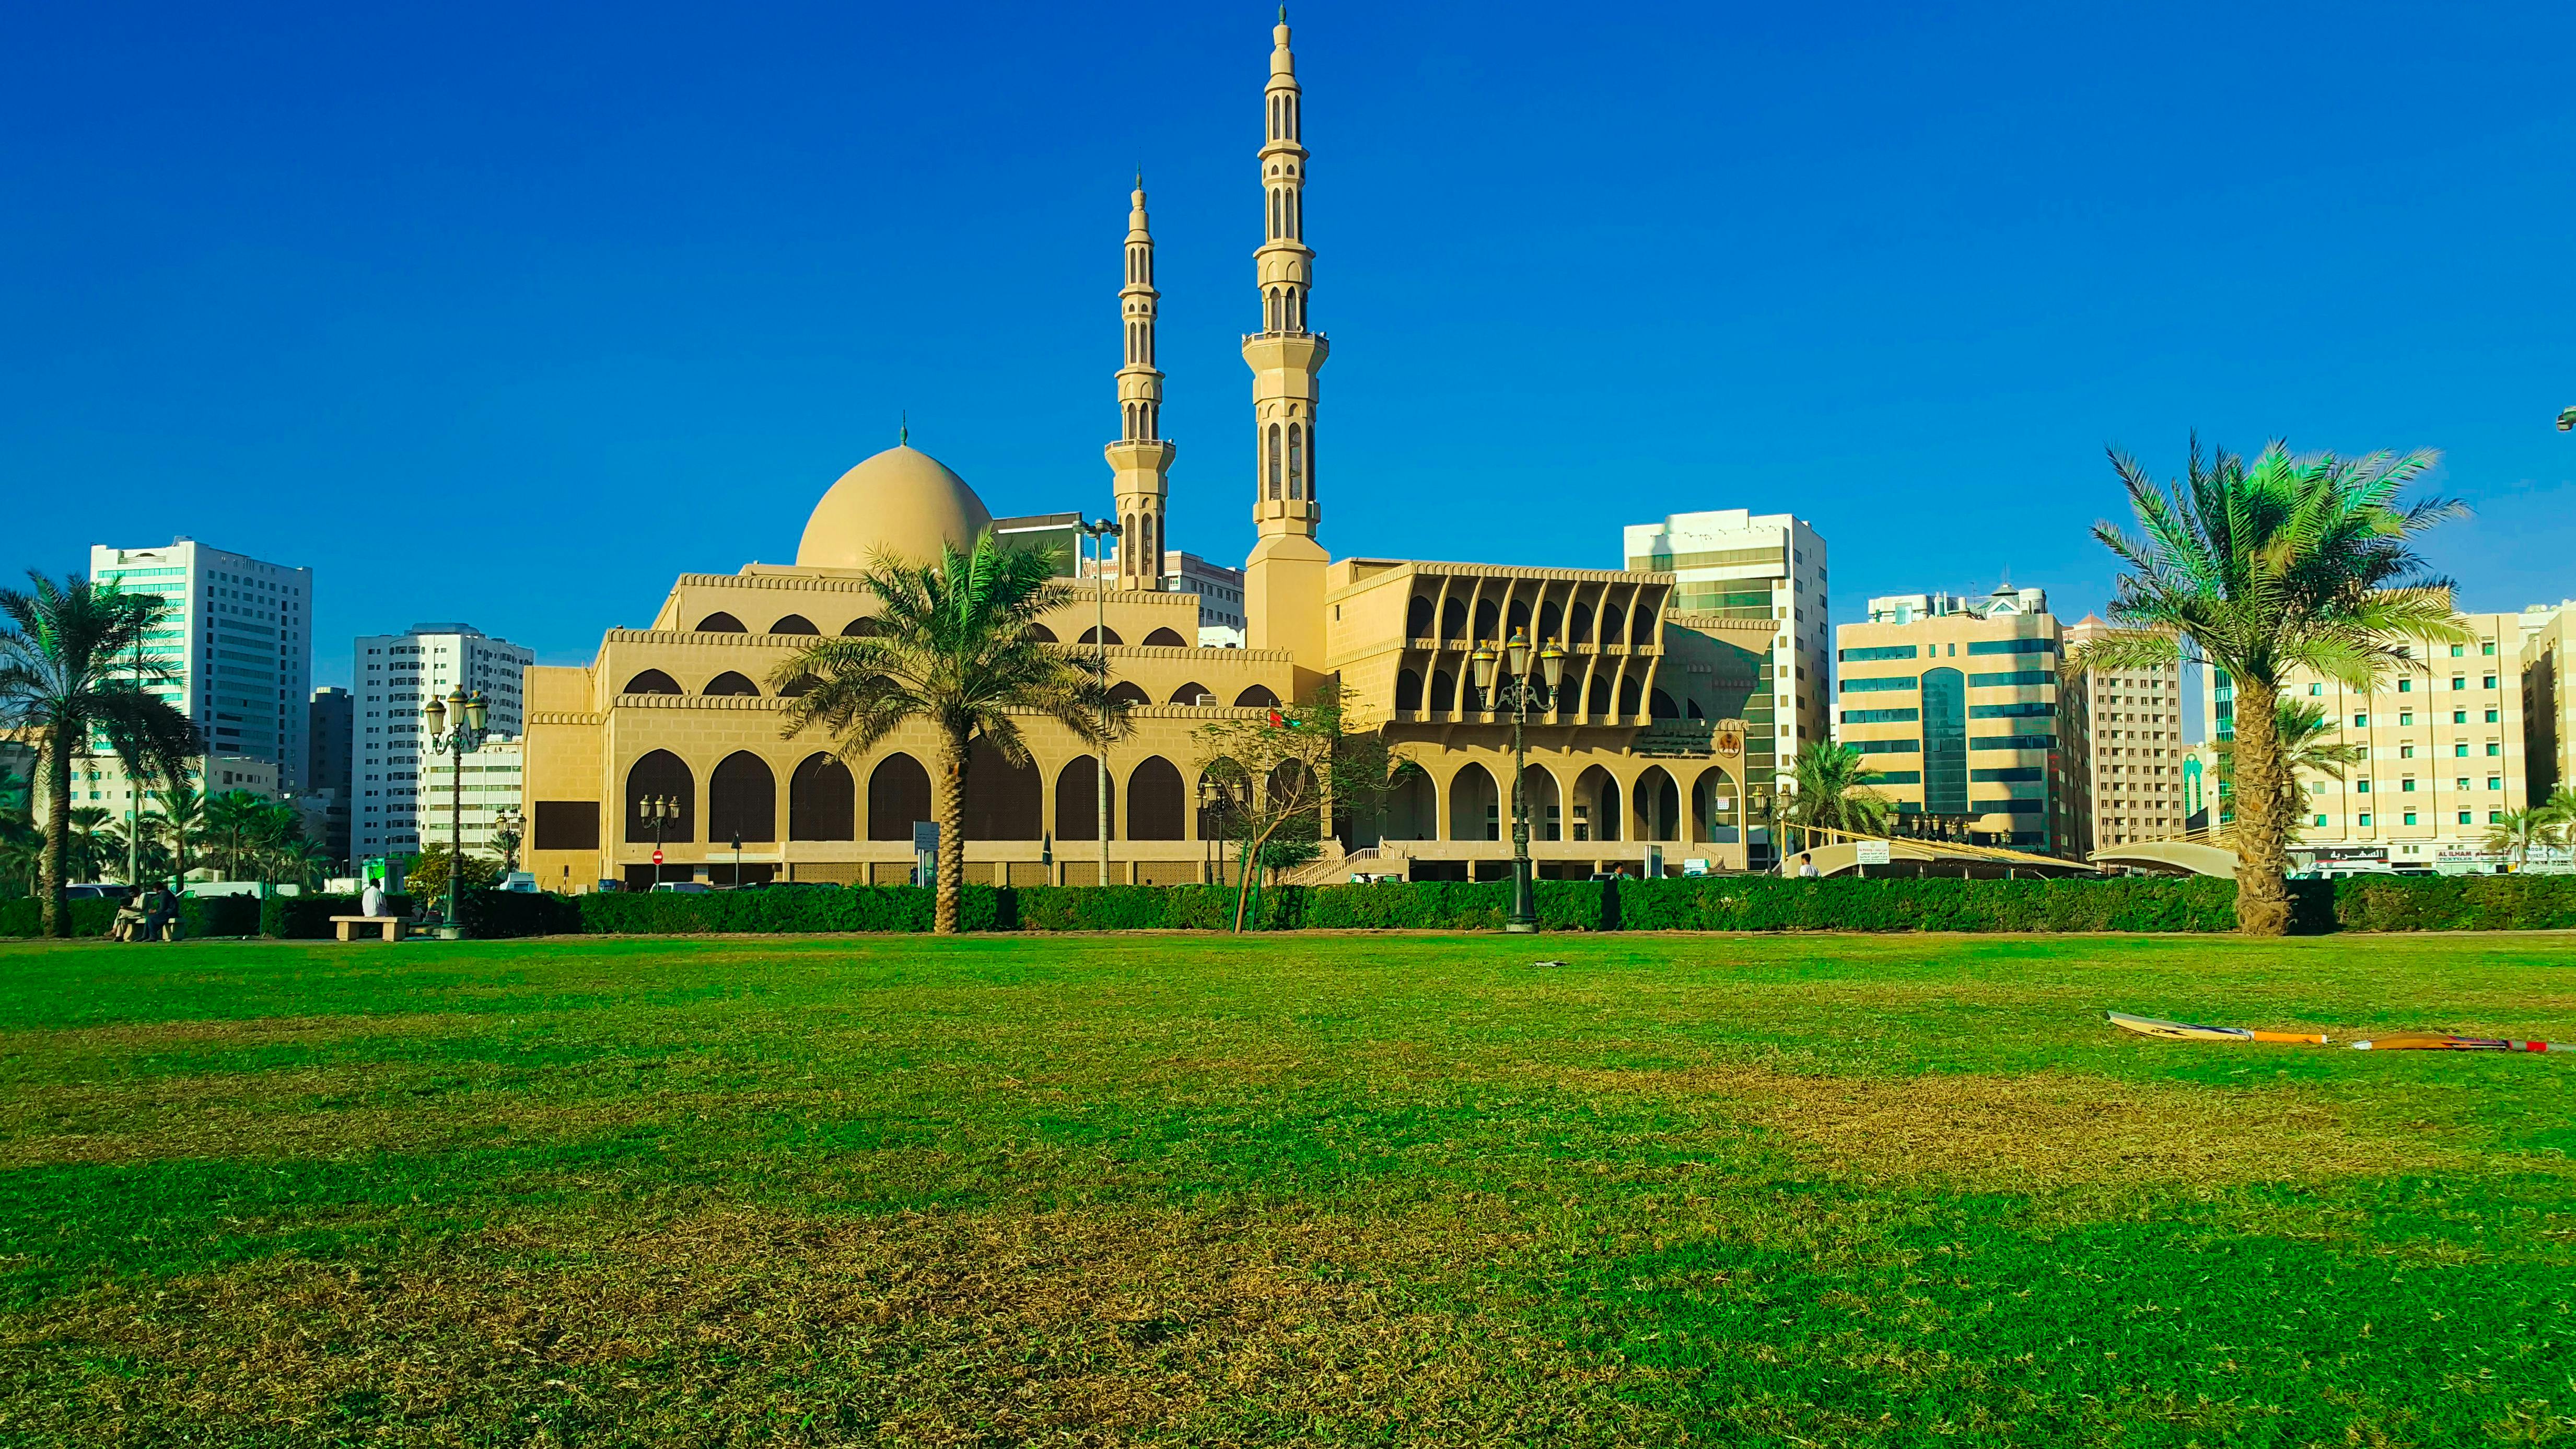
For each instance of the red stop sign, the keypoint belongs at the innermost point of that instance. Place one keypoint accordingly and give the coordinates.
(657, 855)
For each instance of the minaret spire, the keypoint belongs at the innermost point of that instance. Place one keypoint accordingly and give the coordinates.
(1284, 600)
(1140, 461)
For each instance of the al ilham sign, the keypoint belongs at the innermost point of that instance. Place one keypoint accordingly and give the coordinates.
(1730, 739)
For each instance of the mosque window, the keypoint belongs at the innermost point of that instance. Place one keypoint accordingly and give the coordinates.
(1274, 214)
(1165, 639)
(1274, 460)
(721, 623)
(731, 682)
(1296, 461)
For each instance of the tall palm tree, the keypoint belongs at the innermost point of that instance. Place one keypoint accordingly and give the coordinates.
(87, 848)
(952, 651)
(2560, 808)
(72, 671)
(2281, 564)
(1833, 792)
(2309, 743)
(22, 854)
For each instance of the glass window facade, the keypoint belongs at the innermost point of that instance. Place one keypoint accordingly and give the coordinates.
(1875, 686)
(1881, 716)
(1883, 747)
(1945, 742)
(1999, 681)
(1883, 651)
(2031, 710)
(2011, 646)
(2013, 742)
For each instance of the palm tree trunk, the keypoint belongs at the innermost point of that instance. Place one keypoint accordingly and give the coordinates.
(2262, 819)
(58, 832)
(951, 806)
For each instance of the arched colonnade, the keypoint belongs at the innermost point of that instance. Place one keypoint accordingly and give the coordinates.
(815, 796)
(1642, 800)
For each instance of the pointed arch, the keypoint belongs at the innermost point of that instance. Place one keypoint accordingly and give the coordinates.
(794, 624)
(1040, 633)
(822, 800)
(651, 681)
(1408, 690)
(1129, 692)
(862, 627)
(1274, 460)
(721, 622)
(732, 681)
(1158, 805)
(1257, 697)
(1191, 693)
(1094, 635)
(801, 684)
(1296, 461)
(1077, 801)
(742, 800)
(898, 795)
(1165, 639)
(661, 775)
(1003, 801)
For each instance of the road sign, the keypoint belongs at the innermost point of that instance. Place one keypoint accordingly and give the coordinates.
(1869, 852)
(657, 855)
(925, 837)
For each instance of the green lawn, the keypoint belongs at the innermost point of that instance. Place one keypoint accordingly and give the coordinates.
(1294, 1189)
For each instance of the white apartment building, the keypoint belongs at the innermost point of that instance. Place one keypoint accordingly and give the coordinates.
(2443, 752)
(1741, 565)
(1220, 591)
(392, 676)
(493, 780)
(239, 640)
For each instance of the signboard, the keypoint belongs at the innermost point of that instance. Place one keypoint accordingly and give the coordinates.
(925, 837)
(1869, 852)
(1730, 739)
(657, 855)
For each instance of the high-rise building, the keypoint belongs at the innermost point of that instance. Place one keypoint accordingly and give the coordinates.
(2441, 751)
(394, 675)
(239, 643)
(1953, 703)
(1735, 564)
(2123, 755)
(330, 731)
(2548, 653)
(493, 779)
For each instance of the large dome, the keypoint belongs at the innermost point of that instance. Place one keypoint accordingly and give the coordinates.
(901, 502)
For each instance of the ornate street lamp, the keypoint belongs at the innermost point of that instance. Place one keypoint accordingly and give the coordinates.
(658, 809)
(1100, 531)
(456, 727)
(1522, 693)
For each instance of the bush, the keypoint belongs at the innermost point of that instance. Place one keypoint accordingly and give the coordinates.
(854, 908)
(308, 918)
(489, 915)
(2455, 903)
(26, 917)
(1845, 903)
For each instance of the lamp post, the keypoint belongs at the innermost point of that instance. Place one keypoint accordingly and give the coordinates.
(1521, 691)
(1216, 807)
(1100, 531)
(657, 808)
(455, 726)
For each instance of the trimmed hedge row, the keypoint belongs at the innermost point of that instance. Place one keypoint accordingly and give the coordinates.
(1713, 903)
(2455, 903)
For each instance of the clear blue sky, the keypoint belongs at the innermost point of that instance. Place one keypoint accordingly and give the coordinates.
(512, 313)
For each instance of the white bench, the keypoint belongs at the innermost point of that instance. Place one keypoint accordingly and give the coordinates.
(390, 927)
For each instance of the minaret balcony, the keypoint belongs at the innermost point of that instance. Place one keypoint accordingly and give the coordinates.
(1251, 337)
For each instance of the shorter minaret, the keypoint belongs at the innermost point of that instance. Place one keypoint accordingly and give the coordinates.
(1140, 462)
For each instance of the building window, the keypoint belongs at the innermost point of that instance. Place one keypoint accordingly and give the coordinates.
(2406, 686)
(1274, 460)
(2459, 681)
(2316, 689)
(2410, 817)
(2487, 648)
(2321, 820)
(2365, 820)
(1945, 741)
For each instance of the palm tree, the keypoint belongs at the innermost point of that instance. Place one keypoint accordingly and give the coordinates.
(230, 817)
(2278, 565)
(2560, 810)
(22, 854)
(1833, 792)
(91, 838)
(72, 671)
(2515, 832)
(2309, 744)
(954, 652)
(181, 817)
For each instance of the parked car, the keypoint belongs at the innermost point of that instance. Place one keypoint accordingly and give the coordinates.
(97, 892)
(519, 882)
(683, 888)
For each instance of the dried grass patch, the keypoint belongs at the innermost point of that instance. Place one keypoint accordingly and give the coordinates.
(2017, 1132)
(1089, 1327)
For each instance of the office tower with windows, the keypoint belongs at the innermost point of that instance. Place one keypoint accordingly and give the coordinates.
(239, 640)
(1953, 702)
(1736, 564)
(330, 720)
(392, 809)
(2548, 652)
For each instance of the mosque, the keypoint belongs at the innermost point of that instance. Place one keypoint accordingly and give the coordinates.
(1641, 755)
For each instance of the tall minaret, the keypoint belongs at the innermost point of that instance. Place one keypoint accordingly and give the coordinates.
(1140, 462)
(1284, 579)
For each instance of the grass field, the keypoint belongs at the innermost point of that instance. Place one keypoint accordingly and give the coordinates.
(1786, 1190)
